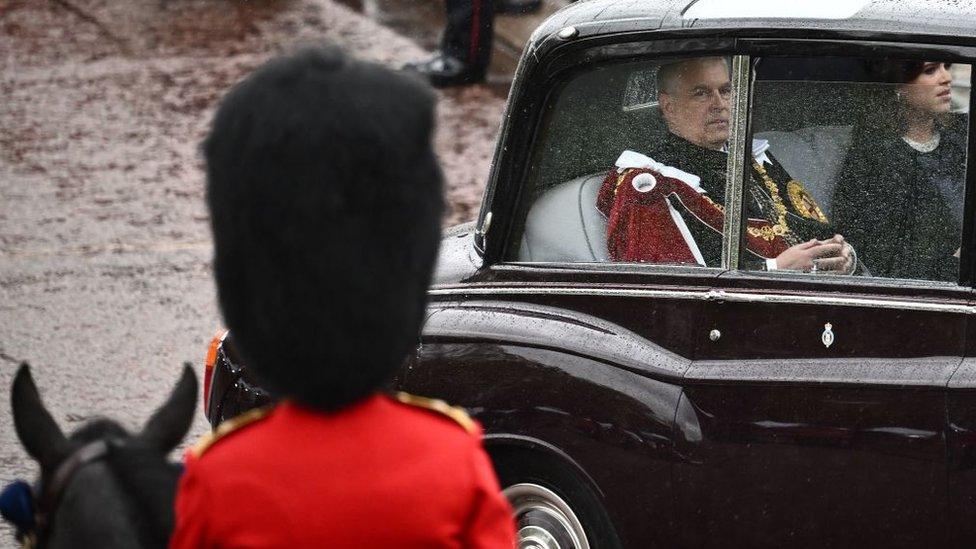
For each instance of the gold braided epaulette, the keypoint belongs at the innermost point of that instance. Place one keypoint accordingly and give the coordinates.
(227, 427)
(457, 414)
(620, 179)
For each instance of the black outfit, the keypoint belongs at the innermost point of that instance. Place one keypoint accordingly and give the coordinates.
(710, 166)
(469, 32)
(902, 209)
(469, 29)
(466, 42)
(465, 45)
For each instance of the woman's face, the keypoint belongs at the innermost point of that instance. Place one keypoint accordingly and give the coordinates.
(930, 91)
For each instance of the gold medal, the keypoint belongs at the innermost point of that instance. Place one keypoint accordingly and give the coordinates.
(803, 202)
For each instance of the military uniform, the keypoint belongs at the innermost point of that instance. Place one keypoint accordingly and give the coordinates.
(385, 472)
(668, 207)
(469, 32)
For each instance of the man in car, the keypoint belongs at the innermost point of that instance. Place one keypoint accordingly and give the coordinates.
(326, 198)
(667, 205)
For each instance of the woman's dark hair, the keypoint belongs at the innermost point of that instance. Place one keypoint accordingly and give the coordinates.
(891, 71)
(882, 111)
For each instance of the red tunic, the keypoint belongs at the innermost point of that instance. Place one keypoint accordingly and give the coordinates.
(377, 474)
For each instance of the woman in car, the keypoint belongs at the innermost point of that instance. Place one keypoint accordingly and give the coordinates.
(900, 199)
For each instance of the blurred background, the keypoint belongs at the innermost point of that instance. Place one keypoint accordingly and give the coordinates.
(105, 253)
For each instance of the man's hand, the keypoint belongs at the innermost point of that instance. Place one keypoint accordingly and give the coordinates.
(833, 254)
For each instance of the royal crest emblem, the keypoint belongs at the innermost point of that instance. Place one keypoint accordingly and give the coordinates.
(803, 202)
(828, 335)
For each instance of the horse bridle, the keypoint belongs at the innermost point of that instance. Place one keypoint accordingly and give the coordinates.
(44, 505)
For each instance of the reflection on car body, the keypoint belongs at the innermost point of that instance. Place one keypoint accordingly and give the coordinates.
(671, 403)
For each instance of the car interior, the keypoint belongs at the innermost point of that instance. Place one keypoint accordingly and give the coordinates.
(601, 113)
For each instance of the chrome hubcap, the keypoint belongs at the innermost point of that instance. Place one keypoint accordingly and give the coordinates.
(544, 520)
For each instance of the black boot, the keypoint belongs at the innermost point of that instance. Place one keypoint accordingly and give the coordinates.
(443, 71)
(517, 6)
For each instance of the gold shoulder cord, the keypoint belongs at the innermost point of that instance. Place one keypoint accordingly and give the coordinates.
(719, 207)
(780, 228)
(620, 179)
(457, 414)
(228, 427)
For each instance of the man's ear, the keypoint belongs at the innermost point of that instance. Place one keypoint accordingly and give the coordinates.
(665, 103)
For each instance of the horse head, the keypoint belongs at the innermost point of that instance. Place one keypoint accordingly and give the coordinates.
(102, 486)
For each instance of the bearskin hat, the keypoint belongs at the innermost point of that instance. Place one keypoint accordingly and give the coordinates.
(326, 199)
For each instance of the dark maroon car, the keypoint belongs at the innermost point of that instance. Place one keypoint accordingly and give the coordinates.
(719, 402)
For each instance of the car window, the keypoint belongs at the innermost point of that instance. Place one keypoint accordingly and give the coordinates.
(873, 150)
(629, 166)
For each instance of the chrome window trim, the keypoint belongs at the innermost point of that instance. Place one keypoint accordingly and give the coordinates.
(933, 372)
(608, 267)
(735, 167)
(850, 283)
(704, 295)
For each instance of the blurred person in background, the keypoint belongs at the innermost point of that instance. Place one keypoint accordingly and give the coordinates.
(465, 49)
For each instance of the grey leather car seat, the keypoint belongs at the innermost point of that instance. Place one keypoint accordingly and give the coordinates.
(564, 224)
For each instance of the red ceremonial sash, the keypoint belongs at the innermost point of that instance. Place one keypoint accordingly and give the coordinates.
(641, 227)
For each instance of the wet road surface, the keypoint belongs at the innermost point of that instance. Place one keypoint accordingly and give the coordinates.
(105, 271)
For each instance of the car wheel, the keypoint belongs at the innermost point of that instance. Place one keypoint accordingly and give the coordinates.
(554, 507)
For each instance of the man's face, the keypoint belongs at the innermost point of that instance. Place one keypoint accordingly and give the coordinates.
(696, 105)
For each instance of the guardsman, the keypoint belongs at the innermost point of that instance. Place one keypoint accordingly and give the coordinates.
(325, 202)
(465, 48)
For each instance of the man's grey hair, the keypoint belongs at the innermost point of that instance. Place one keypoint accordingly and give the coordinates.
(667, 74)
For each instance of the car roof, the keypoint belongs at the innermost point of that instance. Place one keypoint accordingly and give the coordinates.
(952, 20)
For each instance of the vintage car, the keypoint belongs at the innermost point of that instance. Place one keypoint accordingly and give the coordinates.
(712, 403)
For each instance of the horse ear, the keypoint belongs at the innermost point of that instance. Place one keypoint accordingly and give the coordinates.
(169, 424)
(36, 429)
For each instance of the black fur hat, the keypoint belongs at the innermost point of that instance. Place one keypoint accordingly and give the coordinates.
(325, 201)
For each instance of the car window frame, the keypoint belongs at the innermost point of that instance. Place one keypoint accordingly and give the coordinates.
(758, 48)
(537, 78)
(561, 68)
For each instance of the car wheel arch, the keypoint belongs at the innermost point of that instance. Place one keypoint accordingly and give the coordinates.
(519, 459)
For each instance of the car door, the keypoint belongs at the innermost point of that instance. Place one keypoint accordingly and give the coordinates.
(791, 441)
(961, 442)
(557, 349)
(816, 411)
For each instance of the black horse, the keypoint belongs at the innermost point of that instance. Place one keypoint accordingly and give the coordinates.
(102, 486)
